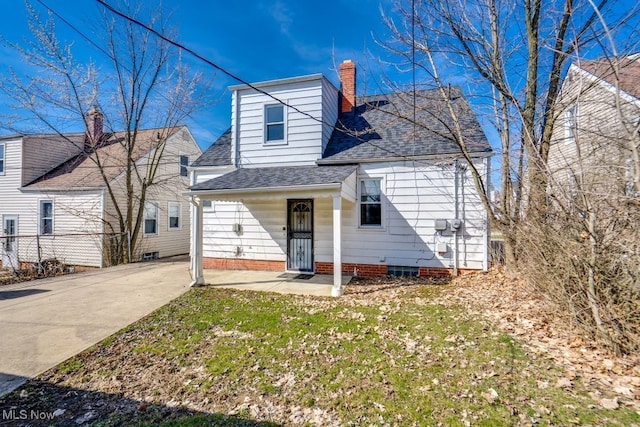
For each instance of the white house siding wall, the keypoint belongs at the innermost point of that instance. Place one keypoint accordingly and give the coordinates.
(170, 187)
(262, 235)
(77, 229)
(329, 111)
(304, 135)
(73, 213)
(412, 199)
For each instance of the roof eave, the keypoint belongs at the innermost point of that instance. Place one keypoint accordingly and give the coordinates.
(330, 186)
(330, 161)
(289, 80)
(58, 189)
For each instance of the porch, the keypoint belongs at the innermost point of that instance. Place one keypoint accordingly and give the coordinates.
(272, 281)
(284, 219)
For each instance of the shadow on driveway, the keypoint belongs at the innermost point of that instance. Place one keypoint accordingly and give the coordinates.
(18, 293)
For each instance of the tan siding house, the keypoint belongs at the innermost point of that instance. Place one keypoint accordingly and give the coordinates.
(597, 128)
(54, 203)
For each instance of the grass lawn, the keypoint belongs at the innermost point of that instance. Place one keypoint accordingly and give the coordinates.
(224, 357)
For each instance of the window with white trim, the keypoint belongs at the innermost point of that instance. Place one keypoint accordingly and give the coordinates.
(570, 123)
(370, 200)
(175, 220)
(150, 218)
(274, 124)
(1, 159)
(46, 217)
(184, 162)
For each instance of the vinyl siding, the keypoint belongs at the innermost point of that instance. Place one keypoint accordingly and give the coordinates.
(262, 236)
(598, 153)
(413, 198)
(329, 111)
(169, 187)
(73, 213)
(305, 137)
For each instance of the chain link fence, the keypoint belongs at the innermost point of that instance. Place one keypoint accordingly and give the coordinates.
(28, 256)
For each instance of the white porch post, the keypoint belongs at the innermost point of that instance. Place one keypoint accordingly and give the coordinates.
(197, 274)
(336, 291)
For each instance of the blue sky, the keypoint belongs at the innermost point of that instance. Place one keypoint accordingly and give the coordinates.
(256, 40)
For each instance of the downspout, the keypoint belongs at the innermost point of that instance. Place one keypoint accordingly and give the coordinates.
(456, 167)
(487, 228)
(102, 234)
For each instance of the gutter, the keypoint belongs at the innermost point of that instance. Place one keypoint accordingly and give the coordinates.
(59, 190)
(445, 156)
(332, 186)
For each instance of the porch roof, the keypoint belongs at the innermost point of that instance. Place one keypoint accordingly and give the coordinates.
(276, 179)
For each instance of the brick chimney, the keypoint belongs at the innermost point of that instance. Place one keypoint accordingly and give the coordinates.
(95, 128)
(347, 86)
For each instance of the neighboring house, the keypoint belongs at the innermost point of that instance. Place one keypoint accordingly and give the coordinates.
(596, 132)
(54, 203)
(331, 183)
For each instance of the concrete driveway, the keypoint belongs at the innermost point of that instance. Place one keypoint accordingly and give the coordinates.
(44, 322)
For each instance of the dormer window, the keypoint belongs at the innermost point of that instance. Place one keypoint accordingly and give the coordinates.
(274, 124)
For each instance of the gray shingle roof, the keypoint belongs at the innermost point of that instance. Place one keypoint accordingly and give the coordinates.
(219, 154)
(381, 126)
(287, 176)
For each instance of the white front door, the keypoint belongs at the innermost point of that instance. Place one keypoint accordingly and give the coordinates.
(10, 242)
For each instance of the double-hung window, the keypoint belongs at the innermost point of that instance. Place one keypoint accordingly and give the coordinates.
(46, 217)
(184, 162)
(1, 159)
(274, 123)
(370, 199)
(175, 222)
(150, 218)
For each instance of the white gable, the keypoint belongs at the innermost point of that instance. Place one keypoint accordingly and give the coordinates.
(300, 124)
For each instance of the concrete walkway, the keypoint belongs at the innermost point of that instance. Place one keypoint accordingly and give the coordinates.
(270, 281)
(46, 321)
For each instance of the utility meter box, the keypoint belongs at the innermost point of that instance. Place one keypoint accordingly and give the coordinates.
(456, 224)
(440, 224)
(441, 247)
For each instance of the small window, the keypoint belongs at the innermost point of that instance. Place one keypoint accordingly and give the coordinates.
(570, 123)
(207, 204)
(175, 223)
(184, 162)
(150, 218)
(370, 203)
(1, 159)
(274, 123)
(46, 217)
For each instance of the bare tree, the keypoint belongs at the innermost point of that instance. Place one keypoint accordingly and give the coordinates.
(579, 249)
(512, 58)
(142, 84)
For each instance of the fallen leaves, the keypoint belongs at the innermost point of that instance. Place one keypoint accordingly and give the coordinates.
(515, 308)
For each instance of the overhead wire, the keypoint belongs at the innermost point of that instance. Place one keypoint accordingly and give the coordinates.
(340, 128)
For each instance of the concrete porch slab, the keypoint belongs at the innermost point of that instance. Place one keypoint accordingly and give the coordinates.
(272, 281)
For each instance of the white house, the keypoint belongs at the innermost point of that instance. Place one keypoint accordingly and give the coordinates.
(312, 179)
(55, 203)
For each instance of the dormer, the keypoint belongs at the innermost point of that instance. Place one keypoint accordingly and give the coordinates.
(282, 122)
